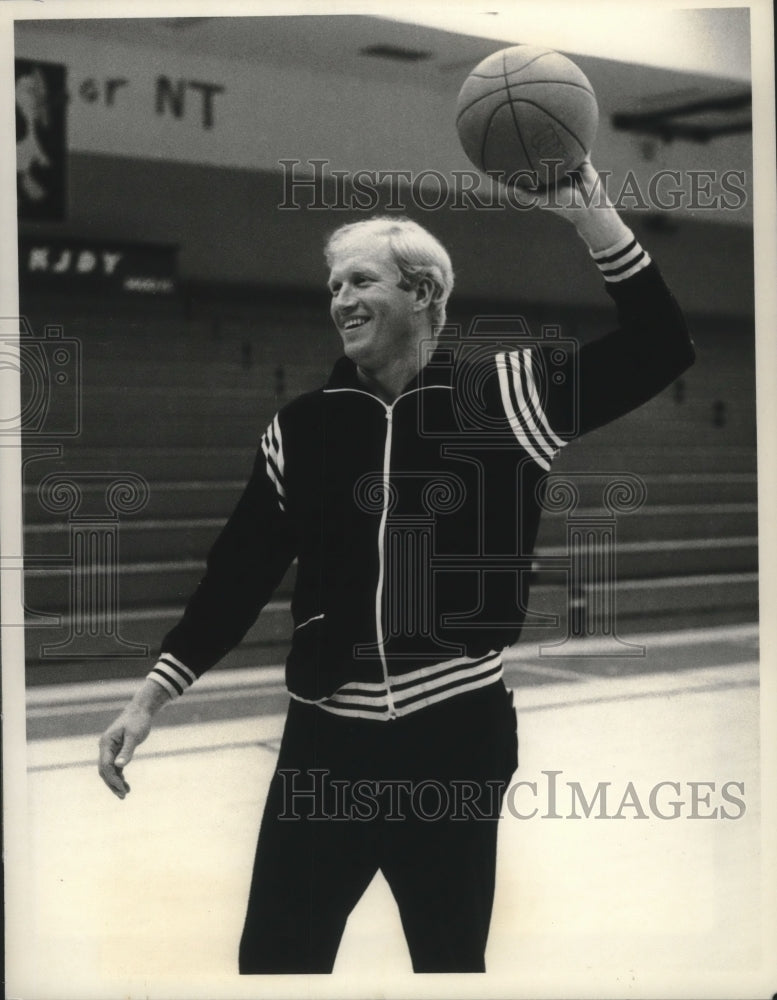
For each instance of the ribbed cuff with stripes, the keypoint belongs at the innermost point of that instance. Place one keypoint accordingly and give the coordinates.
(622, 260)
(174, 676)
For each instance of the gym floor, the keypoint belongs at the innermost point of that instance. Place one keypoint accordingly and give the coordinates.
(145, 897)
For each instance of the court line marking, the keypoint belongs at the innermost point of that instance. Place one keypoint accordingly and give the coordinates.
(522, 710)
(271, 675)
(56, 571)
(684, 637)
(637, 695)
(668, 545)
(693, 580)
(97, 705)
(158, 523)
(537, 670)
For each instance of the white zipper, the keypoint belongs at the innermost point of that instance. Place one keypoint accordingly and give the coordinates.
(382, 559)
(389, 408)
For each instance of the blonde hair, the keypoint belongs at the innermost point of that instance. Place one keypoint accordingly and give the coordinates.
(416, 252)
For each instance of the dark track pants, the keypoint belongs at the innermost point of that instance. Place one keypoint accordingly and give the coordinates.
(417, 798)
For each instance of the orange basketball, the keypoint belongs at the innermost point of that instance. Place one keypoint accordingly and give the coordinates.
(527, 112)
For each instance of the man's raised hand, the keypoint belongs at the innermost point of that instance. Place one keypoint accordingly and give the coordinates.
(580, 198)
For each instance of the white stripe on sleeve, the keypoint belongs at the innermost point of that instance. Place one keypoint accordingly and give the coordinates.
(535, 400)
(272, 448)
(175, 677)
(622, 260)
(540, 442)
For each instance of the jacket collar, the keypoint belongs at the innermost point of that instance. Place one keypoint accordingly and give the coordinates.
(438, 371)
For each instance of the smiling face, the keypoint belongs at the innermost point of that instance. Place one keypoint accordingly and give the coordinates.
(379, 321)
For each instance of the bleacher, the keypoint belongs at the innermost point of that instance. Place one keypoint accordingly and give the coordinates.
(182, 402)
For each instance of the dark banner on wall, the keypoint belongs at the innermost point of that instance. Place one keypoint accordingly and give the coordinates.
(97, 267)
(41, 154)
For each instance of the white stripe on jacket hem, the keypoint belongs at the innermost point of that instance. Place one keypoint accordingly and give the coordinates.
(413, 691)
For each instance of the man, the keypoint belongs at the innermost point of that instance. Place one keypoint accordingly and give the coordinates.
(407, 488)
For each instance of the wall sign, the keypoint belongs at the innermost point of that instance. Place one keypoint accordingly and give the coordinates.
(94, 267)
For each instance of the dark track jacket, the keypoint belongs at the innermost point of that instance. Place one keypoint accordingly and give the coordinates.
(413, 524)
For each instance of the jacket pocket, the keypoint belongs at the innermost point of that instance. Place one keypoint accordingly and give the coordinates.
(305, 662)
(308, 621)
(316, 665)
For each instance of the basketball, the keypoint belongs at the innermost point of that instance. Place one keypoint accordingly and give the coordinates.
(527, 113)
